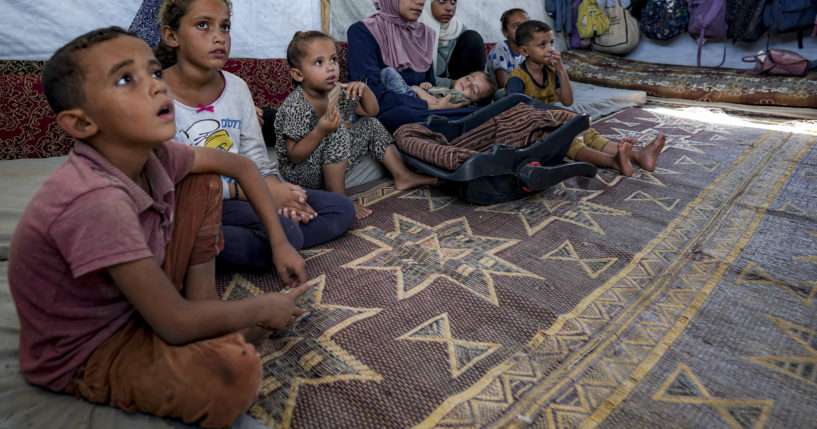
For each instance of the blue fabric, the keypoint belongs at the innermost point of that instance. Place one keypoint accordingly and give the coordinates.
(561, 12)
(394, 82)
(364, 62)
(146, 23)
(246, 244)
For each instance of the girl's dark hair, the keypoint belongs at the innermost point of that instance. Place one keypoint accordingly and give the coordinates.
(171, 15)
(506, 16)
(296, 50)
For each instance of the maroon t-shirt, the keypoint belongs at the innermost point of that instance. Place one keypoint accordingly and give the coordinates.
(87, 216)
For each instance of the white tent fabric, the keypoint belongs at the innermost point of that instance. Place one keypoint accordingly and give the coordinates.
(483, 16)
(36, 28)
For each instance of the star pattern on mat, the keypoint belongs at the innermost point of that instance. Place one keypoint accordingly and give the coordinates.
(462, 354)
(803, 291)
(683, 387)
(611, 177)
(557, 203)
(420, 254)
(376, 194)
(665, 203)
(592, 266)
(794, 209)
(800, 367)
(708, 166)
(304, 354)
(691, 126)
(313, 253)
(436, 199)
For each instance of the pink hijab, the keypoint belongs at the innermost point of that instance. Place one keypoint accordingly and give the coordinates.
(403, 44)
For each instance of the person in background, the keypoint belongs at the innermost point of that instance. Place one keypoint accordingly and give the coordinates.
(543, 77)
(393, 37)
(504, 56)
(459, 51)
(477, 88)
(214, 108)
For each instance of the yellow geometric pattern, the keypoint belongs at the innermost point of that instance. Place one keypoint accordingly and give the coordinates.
(420, 254)
(708, 166)
(665, 203)
(558, 203)
(592, 266)
(435, 202)
(803, 291)
(304, 354)
(587, 362)
(611, 177)
(462, 354)
(376, 194)
(683, 387)
(802, 368)
(313, 252)
(795, 209)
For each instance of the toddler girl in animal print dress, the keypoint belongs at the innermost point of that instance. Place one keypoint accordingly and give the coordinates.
(315, 148)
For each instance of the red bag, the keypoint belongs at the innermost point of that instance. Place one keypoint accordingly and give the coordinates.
(778, 62)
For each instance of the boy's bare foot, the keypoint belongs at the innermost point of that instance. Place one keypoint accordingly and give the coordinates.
(360, 211)
(622, 160)
(411, 179)
(646, 158)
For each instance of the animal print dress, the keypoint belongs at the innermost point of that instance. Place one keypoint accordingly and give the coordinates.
(296, 119)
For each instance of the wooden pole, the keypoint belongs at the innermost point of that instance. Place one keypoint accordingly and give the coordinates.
(325, 16)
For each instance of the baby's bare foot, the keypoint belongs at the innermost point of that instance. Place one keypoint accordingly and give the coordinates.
(647, 157)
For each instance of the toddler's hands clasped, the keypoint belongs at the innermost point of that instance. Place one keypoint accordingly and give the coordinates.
(426, 85)
(354, 90)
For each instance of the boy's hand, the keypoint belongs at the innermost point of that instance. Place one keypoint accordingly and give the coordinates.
(289, 264)
(354, 90)
(282, 308)
(426, 85)
(327, 125)
(556, 60)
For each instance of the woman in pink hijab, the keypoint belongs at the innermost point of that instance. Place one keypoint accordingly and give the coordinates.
(393, 37)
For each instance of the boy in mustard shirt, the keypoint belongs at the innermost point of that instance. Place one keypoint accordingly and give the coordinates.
(542, 76)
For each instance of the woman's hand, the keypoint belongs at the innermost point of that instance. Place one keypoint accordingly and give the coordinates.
(445, 103)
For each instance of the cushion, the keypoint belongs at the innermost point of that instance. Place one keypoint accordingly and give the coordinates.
(28, 128)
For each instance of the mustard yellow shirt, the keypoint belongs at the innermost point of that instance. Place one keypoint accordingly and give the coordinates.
(521, 81)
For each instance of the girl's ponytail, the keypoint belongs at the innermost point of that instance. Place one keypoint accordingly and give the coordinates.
(165, 54)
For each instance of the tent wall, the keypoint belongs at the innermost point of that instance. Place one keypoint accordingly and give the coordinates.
(34, 29)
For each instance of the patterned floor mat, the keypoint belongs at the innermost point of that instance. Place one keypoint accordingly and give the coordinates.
(681, 295)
